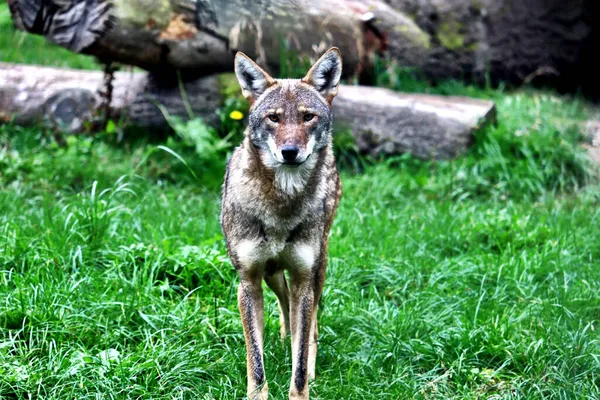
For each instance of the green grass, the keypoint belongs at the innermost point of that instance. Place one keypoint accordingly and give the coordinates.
(466, 279)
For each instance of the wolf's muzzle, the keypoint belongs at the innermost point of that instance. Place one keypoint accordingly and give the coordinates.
(289, 153)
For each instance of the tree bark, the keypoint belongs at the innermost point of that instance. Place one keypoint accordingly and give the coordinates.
(68, 99)
(515, 41)
(200, 37)
(383, 122)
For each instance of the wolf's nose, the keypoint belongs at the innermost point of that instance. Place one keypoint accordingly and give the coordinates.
(289, 153)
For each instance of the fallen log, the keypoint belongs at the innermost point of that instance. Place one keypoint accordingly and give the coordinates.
(526, 41)
(200, 37)
(529, 41)
(385, 122)
(67, 99)
(381, 121)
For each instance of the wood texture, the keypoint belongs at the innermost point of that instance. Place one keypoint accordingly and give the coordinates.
(525, 41)
(513, 41)
(200, 37)
(67, 98)
(382, 121)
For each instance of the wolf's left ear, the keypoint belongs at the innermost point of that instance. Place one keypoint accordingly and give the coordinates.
(253, 79)
(325, 74)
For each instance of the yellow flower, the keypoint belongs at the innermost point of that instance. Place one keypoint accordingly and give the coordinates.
(237, 115)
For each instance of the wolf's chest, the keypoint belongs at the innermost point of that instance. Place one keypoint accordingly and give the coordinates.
(261, 250)
(294, 255)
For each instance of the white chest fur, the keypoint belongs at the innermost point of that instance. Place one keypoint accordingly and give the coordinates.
(300, 256)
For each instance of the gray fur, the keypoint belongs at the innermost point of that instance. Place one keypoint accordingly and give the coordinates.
(326, 73)
(276, 217)
(253, 79)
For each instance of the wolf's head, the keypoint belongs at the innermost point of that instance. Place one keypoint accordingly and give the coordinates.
(290, 119)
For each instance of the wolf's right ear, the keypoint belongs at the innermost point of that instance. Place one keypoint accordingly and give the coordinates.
(252, 78)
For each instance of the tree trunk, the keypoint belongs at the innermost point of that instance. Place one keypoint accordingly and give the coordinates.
(539, 41)
(514, 41)
(381, 121)
(384, 122)
(68, 99)
(200, 37)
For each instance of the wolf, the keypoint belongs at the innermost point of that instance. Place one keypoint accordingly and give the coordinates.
(280, 194)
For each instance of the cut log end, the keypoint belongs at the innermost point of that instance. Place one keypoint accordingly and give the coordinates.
(70, 109)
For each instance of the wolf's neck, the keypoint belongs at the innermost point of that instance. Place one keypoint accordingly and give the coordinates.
(293, 180)
(287, 180)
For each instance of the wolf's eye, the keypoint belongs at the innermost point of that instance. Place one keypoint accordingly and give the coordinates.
(274, 117)
(308, 117)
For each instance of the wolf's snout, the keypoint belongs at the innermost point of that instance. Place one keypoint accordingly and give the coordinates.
(289, 153)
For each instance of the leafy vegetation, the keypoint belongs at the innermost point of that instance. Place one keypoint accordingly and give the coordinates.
(464, 279)
(458, 279)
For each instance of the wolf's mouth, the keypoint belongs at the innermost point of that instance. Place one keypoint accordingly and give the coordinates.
(294, 164)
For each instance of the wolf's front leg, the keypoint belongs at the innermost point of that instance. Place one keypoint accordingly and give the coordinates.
(250, 302)
(301, 317)
(312, 350)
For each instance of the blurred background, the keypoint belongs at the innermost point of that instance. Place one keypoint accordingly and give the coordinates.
(464, 256)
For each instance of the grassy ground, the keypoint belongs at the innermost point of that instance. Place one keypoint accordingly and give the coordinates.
(468, 279)
(465, 279)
